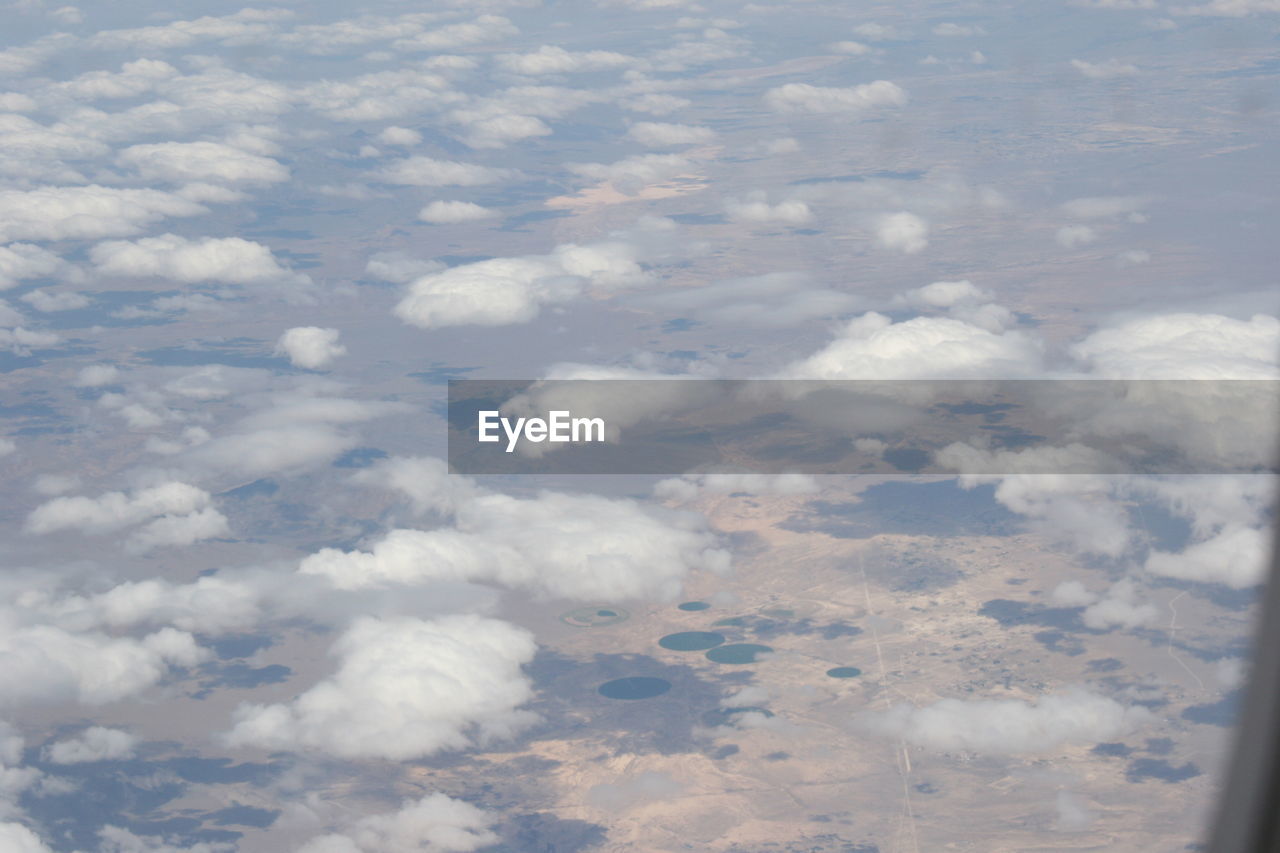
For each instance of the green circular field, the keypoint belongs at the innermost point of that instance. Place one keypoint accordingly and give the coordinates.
(691, 641)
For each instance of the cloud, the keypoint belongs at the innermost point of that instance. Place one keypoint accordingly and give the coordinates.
(874, 347)
(690, 486)
(655, 103)
(96, 375)
(1119, 608)
(310, 346)
(1104, 70)
(482, 29)
(433, 824)
(1009, 726)
(632, 174)
(43, 664)
(93, 744)
(902, 232)
(1237, 556)
(426, 481)
(451, 212)
(772, 300)
(948, 29)
(170, 514)
(551, 59)
(20, 341)
(427, 172)
(657, 134)
(756, 208)
(133, 80)
(247, 26)
(503, 291)
(1184, 346)
(44, 301)
(86, 213)
(404, 689)
(1232, 8)
(804, 98)
(399, 267)
(16, 838)
(1070, 236)
(21, 261)
(185, 162)
(399, 136)
(580, 547)
(227, 259)
(1072, 814)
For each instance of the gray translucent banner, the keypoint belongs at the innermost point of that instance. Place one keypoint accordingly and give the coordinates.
(999, 427)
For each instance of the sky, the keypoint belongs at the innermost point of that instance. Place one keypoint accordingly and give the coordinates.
(243, 250)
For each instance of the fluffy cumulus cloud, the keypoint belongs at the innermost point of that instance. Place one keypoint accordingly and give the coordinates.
(452, 212)
(661, 134)
(170, 514)
(503, 291)
(552, 59)
(404, 689)
(186, 162)
(95, 743)
(756, 208)
(86, 213)
(46, 664)
(433, 824)
(310, 346)
(805, 98)
(21, 261)
(1009, 726)
(581, 547)
(1185, 346)
(17, 838)
(632, 174)
(226, 259)
(874, 347)
(902, 232)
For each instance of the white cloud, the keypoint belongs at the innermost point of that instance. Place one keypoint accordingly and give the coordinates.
(45, 664)
(20, 261)
(853, 48)
(690, 486)
(132, 80)
(1009, 726)
(873, 347)
(949, 29)
(877, 32)
(170, 514)
(185, 162)
(655, 103)
(657, 134)
(756, 208)
(44, 301)
(1232, 8)
(95, 743)
(1104, 70)
(450, 212)
(404, 689)
(581, 547)
(1236, 556)
(310, 346)
(20, 341)
(1120, 608)
(482, 29)
(902, 232)
(433, 824)
(1184, 346)
(1070, 236)
(97, 375)
(632, 174)
(228, 259)
(399, 136)
(16, 838)
(503, 291)
(763, 301)
(802, 97)
(1072, 594)
(551, 59)
(247, 26)
(427, 172)
(85, 213)
(400, 268)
